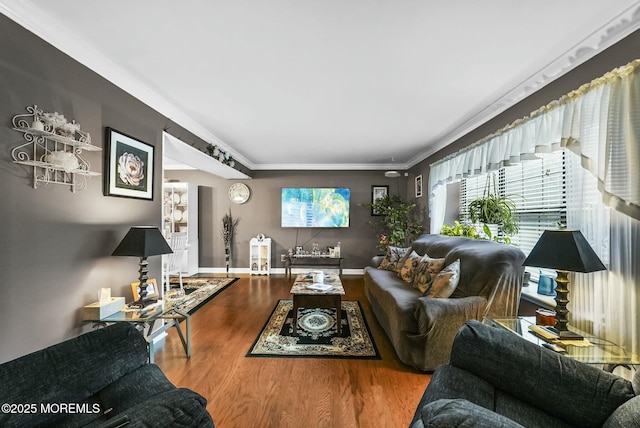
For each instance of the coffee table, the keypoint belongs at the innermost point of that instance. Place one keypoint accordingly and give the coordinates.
(306, 297)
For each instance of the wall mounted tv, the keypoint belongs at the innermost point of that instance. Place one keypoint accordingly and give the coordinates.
(315, 207)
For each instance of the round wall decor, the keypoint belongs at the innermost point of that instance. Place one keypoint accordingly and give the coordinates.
(239, 193)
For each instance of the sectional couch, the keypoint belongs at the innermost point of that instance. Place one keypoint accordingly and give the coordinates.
(99, 379)
(422, 328)
(497, 379)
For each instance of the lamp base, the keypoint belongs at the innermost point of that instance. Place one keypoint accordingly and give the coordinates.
(143, 303)
(563, 334)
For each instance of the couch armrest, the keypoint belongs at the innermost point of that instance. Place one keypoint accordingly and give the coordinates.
(577, 393)
(448, 314)
(375, 261)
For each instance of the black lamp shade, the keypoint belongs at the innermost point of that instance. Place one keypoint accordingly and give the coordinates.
(566, 250)
(142, 241)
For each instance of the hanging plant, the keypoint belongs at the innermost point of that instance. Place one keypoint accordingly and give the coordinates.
(229, 225)
(493, 208)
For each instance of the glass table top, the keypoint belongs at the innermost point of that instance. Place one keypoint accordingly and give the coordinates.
(601, 351)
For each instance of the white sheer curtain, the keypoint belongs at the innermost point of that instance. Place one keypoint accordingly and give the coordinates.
(600, 123)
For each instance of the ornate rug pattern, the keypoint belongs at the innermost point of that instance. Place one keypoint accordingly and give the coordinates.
(199, 290)
(317, 333)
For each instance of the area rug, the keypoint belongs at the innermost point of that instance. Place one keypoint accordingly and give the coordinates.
(199, 290)
(317, 334)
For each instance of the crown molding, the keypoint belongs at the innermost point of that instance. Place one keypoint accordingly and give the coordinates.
(332, 167)
(600, 39)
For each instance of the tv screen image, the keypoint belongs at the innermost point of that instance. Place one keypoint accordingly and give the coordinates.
(315, 207)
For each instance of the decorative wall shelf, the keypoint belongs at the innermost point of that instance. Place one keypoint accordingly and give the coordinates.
(53, 148)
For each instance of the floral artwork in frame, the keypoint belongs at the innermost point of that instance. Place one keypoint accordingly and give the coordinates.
(378, 192)
(128, 167)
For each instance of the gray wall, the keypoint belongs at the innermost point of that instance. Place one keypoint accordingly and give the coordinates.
(261, 214)
(56, 249)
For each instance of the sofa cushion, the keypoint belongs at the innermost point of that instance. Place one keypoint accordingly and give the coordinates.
(445, 282)
(427, 270)
(627, 415)
(409, 266)
(396, 297)
(393, 258)
(127, 391)
(460, 413)
(178, 407)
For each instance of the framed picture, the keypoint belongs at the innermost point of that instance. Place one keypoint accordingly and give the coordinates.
(152, 288)
(128, 166)
(419, 186)
(378, 192)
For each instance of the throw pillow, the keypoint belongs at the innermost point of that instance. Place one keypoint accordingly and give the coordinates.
(393, 257)
(445, 282)
(426, 272)
(409, 267)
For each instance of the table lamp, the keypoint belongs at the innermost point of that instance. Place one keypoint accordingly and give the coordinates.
(142, 241)
(565, 251)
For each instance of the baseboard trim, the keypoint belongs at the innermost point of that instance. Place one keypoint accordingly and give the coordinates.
(275, 271)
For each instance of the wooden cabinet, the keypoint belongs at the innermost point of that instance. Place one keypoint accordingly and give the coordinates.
(259, 255)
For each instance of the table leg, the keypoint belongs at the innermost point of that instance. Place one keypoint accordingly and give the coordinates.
(294, 321)
(339, 315)
(186, 343)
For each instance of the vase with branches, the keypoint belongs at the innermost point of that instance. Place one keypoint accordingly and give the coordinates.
(229, 226)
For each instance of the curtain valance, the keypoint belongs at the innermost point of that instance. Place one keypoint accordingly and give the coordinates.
(600, 121)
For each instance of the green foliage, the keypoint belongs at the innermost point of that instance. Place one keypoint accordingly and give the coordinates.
(492, 208)
(397, 224)
(487, 231)
(459, 229)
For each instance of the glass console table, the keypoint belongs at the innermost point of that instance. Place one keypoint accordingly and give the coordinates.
(170, 313)
(601, 352)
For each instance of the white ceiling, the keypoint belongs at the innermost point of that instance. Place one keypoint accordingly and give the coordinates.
(329, 84)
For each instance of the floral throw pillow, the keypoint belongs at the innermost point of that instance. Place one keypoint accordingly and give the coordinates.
(445, 282)
(393, 257)
(427, 270)
(409, 267)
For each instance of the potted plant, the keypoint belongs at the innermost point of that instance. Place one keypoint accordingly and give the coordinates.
(493, 208)
(397, 224)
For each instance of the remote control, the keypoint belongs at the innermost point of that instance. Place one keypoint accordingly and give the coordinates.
(554, 347)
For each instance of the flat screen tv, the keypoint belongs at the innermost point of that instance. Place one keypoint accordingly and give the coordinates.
(315, 207)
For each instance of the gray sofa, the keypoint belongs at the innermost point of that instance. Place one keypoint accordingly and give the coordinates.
(421, 328)
(99, 379)
(497, 379)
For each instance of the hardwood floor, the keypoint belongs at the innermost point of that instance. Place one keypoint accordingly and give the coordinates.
(286, 392)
